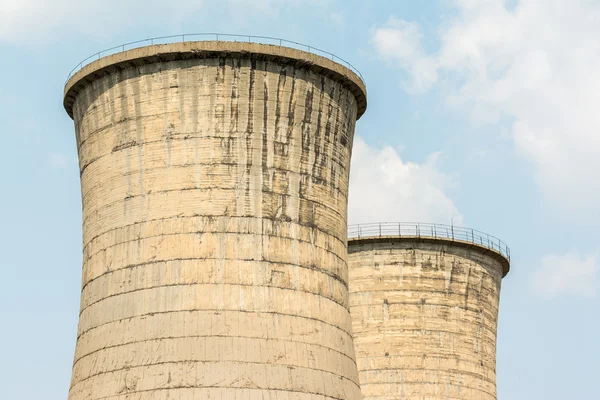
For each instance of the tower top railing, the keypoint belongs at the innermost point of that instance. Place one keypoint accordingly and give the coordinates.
(227, 37)
(437, 231)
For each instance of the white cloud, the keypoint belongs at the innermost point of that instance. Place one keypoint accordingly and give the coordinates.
(40, 20)
(337, 18)
(568, 273)
(383, 188)
(58, 161)
(8, 100)
(34, 21)
(535, 64)
(400, 41)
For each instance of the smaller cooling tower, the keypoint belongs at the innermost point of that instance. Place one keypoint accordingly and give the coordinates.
(424, 306)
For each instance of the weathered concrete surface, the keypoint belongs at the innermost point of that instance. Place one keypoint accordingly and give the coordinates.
(214, 187)
(424, 316)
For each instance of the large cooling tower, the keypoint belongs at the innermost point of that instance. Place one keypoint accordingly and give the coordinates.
(424, 304)
(214, 179)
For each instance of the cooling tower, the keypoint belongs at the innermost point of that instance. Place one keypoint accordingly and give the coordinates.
(424, 305)
(214, 180)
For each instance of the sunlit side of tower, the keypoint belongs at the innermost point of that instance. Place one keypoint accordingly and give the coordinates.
(214, 180)
(425, 312)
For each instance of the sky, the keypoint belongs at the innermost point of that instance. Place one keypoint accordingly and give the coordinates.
(479, 111)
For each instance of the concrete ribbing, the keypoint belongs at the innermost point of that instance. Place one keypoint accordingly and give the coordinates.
(214, 182)
(424, 316)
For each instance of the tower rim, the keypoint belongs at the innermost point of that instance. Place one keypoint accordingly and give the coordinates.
(210, 49)
(391, 239)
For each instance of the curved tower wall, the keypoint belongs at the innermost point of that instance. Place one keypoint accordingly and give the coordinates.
(214, 180)
(424, 316)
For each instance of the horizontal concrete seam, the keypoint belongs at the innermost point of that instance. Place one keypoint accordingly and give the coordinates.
(408, 278)
(421, 383)
(257, 219)
(237, 133)
(339, 120)
(464, 358)
(455, 356)
(213, 284)
(212, 164)
(457, 372)
(396, 292)
(263, 260)
(334, 160)
(341, 377)
(486, 311)
(93, 133)
(358, 310)
(222, 216)
(468, 335)
(343, 333)
(341, 193)
(110, 205)
(418, 302)
(218, 310)
(446, 397)
(215, 187)
(331, 275)
(219, 387)
(270, 363)
(213, 336)
(277, 236)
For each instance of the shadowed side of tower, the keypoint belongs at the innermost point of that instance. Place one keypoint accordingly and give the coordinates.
(214, 182)
(424, 315)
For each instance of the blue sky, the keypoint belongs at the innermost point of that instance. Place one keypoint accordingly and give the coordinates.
(484, 111)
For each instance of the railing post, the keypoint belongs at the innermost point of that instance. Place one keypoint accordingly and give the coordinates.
(399, 230)
(380, 229)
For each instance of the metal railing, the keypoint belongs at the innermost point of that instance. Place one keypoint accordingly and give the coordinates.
(212, 36)
(416, 229)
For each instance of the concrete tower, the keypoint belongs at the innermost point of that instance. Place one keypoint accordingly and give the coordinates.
(425, 311)
(214, 179)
